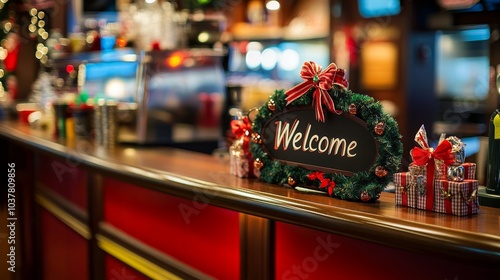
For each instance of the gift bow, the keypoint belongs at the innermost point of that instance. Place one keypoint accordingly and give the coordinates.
(424, 154)
(241, 127)
(322, 82)
(442, 152)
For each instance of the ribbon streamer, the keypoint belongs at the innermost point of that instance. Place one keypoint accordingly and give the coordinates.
(322, 82)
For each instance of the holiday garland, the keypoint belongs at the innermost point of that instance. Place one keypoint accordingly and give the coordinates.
(362, 186)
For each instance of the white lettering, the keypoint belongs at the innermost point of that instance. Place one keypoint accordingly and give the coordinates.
(301, 141)
(278, 139)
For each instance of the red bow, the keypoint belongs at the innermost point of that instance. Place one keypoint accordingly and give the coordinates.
(324, 182)
(322, 82)
(442, 152)
(241, 127)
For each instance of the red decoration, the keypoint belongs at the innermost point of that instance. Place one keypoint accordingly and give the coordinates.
(353, 110)
(258, 164)
(379, 128)
(365, 196)
(241, 161)
(271, 105)
(322, 82)
(324, 182)
(380, 171)
(241, 129)
(315, 175)
(425, 155)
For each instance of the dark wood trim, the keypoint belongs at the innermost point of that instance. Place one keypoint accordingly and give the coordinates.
(256, 247)
(128, 249)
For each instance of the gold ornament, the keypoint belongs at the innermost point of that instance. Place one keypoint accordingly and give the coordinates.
(379, 128)
(258, 164)
(353, 110)
(271, 105)
(445, 194)
(291, 181)
(380, 171)
(256, 138)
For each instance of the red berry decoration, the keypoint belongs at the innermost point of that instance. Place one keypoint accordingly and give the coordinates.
(379, 128)
(291, 181)
(380, 171)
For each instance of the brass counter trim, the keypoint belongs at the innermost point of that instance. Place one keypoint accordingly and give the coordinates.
(142, 257)
(63, 216)
(139, 263)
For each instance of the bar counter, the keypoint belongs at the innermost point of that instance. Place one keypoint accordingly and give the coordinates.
(159, 212)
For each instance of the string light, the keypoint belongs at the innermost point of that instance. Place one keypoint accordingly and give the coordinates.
(37, 30)
(7, 26)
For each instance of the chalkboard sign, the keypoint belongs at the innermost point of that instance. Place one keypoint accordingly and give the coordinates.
(341, 144)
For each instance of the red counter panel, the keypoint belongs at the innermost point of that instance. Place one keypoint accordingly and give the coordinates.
(64, 177)
(116, 269)
(202, 236)
(303, 253)
(64, 253)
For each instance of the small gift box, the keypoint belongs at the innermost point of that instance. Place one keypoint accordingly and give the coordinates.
(239, 164)
(456, 198)
(240, 158)
(470, 171)
(405, 191)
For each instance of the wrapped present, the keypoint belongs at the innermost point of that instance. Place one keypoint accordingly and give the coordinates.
(240, 158)
(470, 171)
(456, 198)
(425, 156)
(405, 191)
(456, 171)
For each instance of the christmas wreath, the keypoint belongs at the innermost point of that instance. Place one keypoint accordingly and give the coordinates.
(329, 88)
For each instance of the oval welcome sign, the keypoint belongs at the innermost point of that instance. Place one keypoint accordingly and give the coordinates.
(341, 144)
(351, 152)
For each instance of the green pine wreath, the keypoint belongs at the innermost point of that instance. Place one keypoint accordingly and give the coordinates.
(362, 186)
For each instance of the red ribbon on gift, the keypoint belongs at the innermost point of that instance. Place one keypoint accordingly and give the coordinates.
(448, 209)
(242, 128)
(404, 191)
(322, 82)
(426, 155)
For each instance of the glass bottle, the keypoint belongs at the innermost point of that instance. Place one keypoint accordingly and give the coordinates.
(493, 183)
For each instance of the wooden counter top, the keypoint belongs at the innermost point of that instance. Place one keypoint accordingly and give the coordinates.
(188, 175)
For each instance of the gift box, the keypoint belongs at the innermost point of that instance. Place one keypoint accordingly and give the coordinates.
(239, 164)
(434, 161)
(404, 189)
(470, 171)
(240, 158)
(456, 198)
